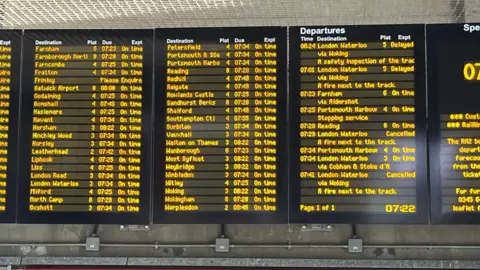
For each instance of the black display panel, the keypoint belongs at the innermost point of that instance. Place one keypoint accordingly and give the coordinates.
(454, 122)
(10, 59)
(357, 123)
(220, 126)
(86, 111)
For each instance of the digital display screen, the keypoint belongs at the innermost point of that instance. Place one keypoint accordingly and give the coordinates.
(220, 143)
(85, 136)
(454, 122)
(10, 58)
(357, 123)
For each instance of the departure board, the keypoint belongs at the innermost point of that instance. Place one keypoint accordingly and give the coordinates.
(357, 120)
(85, 148)
(454, 122)
(220, 118)
(10, 59)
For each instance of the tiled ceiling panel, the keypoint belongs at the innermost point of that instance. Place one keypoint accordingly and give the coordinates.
(30, 14)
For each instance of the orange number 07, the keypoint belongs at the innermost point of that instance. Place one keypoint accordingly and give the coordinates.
(471, 71)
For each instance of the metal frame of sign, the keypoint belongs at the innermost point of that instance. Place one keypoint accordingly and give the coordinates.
(360, 33)
(72, 36)
(427, 39)
(207, 35)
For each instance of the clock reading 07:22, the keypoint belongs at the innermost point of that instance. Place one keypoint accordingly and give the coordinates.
(357, 120)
